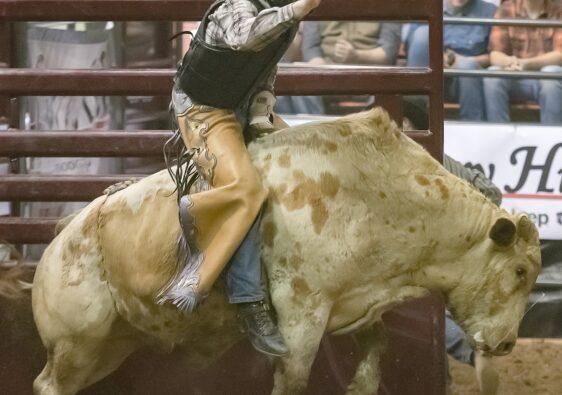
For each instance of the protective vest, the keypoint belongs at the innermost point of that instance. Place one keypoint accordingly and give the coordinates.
(225, 78)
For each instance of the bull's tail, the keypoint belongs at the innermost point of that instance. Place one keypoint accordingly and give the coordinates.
(65, 221)
(12, 284)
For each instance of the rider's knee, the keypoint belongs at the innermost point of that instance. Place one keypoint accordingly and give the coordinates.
(251, 192)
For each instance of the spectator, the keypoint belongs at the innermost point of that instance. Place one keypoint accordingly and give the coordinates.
(526, 48)
(366, 43)
(465, 49)
(369, 43)
(298, 104)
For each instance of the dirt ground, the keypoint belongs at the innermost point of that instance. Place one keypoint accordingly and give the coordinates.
(533, 368)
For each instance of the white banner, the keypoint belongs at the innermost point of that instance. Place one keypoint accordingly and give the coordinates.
(524, 161)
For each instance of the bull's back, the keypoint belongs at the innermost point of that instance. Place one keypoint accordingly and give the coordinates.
(138, 232)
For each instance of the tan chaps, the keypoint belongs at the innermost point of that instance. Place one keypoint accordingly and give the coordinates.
(224, 214)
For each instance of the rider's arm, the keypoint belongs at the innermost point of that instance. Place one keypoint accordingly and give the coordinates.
(242, 28)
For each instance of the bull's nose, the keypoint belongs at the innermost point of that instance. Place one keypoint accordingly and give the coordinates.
(504, 347)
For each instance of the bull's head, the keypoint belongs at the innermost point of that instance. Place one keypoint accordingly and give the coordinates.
(498, 274)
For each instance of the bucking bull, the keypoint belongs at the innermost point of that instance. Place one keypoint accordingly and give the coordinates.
(360, 218)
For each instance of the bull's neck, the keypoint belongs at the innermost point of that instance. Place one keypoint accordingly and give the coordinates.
(457, 229)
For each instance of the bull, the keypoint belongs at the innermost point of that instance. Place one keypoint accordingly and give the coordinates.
(359, 219)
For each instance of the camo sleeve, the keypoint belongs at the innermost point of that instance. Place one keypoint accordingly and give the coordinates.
(475, 177)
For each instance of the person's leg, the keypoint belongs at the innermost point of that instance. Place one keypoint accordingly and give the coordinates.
(550, 98)
(300, 105)
(284, 105)
(496, 97)
(469, 91)
(417, 44)
(456, 342)
(243, 276)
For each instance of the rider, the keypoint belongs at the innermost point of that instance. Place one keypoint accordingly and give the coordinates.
(224, 84)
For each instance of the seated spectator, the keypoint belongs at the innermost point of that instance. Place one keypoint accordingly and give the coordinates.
(525, 48)
(312, 105)
(370, 43)
(365, 43)
(465, 48)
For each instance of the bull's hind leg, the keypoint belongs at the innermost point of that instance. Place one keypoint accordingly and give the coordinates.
(76, 362)
(367, 375)
(75, 312)
(302, 328)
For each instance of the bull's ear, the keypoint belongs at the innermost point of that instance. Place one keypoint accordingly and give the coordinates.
(503, 232)
(526, 229)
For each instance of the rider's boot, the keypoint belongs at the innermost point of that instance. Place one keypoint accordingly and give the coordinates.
(261, 329)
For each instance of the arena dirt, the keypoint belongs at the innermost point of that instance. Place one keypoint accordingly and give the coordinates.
(533, 368)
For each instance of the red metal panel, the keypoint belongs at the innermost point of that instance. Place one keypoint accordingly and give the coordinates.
(290, 81)
(83, 144)
(101, 144)
(16, 230)
(55, 188)
(185, 10)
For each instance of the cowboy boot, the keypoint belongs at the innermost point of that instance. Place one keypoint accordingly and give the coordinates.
(261, 329)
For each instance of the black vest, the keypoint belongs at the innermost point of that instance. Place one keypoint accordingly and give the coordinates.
(225, 78)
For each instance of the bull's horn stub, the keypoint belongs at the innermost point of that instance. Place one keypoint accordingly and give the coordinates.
(478, 338)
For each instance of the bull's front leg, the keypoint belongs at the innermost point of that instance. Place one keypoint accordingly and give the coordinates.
(302, 323)
(367, 376)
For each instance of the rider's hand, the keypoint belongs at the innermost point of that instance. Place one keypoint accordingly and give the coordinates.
(303, 7)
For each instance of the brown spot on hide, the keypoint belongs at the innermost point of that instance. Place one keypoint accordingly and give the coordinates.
(298, 246)
(422, 180)
(442, 188)
(468, 238)
(319, 216)
(411, 229)
(296, 261)
(329, 184)
(284, 160)
(283, 261)
(269, 233)
(309, 192)
(382, 195)
(300, 286)
(345, 131)
(332, 147)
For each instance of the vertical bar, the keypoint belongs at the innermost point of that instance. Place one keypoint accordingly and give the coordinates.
(5, 61)
(393, 104)
(436, 149)
(436, 66)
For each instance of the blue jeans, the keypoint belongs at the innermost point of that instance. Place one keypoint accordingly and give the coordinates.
(548, 93)
(467, 91)
(300, 105)
(243, 276)
(456, 343)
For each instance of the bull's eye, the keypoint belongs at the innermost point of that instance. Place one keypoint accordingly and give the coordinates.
(521, 273)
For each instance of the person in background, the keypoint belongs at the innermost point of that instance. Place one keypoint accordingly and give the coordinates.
(312, 105)
(466, 48)
(363, 43)
(521, 48)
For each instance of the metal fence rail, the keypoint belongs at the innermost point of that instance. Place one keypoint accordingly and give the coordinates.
(300, 80)
(448, 20)
(192, 10)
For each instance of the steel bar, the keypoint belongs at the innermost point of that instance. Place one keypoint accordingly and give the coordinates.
(16, 230)
(503, 74)
(82, 143)
(448, 20)
(32, 188)
(20, 143)
(290, 81)
(184, 10)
